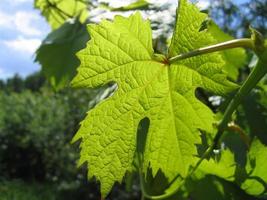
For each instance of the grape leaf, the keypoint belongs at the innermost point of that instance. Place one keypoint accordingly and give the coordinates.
(148, 86)
(216, 188)
(253, 114)
(256, 182)
(57, 12)
(253, 179)
(57, 53)
(224, 167)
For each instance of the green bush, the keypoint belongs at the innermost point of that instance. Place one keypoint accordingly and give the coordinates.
(35, 133)
(18, 190)
(36, 130)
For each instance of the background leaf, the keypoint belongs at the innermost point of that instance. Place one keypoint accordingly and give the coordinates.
(57, 53)
(137, 5)
(57, 12)
(256, 181)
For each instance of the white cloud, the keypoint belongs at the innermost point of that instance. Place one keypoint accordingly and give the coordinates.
(6, 20)
(203, 4)
(23, 45)
(24, 23)
(21, 21)
(4, 74)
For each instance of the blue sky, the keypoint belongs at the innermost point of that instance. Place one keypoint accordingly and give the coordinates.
(22, 29)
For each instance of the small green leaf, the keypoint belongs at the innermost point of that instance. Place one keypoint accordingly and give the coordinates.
(148, 87)
(256, 182)
(57, 12)
(57, 53)
(224, 167)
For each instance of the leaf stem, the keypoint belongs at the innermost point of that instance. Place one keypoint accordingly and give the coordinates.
(259, 70)
(244, 42)
(255, 76)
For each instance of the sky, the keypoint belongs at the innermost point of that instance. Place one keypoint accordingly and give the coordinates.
(22, 29)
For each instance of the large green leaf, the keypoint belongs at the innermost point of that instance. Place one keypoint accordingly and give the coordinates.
(148, 86)
(57, 12)
(57, 53)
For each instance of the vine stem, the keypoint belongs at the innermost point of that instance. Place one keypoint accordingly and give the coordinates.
(254, 77)
(237, 129)
(243, 42)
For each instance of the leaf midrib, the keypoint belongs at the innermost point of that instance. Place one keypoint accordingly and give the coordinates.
(172, 110)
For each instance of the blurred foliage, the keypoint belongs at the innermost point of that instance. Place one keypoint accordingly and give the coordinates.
(256, 15)
(38, 127)
(17, 84)
(30, 122)
(236, 19)
(36, 156)
(34, 82)
(18, 190)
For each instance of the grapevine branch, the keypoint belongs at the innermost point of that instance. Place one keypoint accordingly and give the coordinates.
(244, 42)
